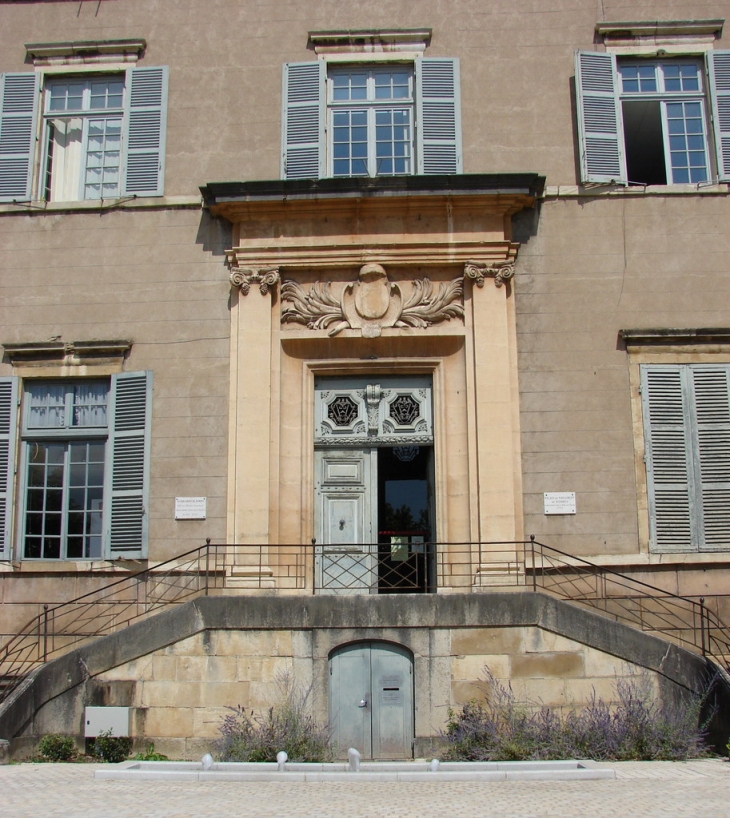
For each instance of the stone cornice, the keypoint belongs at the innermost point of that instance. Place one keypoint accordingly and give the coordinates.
(503, 194)
(654, 28)
(486, 255)
(665, 337)
(66, 352)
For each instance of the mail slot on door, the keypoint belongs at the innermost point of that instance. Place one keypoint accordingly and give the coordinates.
(391, 689)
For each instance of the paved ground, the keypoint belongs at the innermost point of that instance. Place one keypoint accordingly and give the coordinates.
(697, 788)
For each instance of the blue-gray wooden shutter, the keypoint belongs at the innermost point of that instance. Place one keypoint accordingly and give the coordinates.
(718, 63)
(711, 405)
(18, 116)
(145, 121)
(8, 423)
(668, 445)
(303, 118)
(438, 125)
(600, 124)
(126, 478)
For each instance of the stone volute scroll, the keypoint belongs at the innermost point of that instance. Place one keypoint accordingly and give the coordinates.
(371, 304)
(501, 271)
(244, 277)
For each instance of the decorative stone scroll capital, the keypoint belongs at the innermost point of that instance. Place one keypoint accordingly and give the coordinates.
(245, 277)
(479, 270)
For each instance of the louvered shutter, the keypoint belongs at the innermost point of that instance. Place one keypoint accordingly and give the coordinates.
(668, 458)
(438, 116)
(719, 70)
(711, 386)
(600, 124)
(8, 421)
(144, 131)
(126, 479)
(303, 118)
(18, 112)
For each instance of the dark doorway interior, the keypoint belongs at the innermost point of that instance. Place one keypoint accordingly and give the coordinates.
(404, 520)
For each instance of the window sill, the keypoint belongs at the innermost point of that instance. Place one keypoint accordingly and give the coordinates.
(622, 562)
(593, 191)
(96, 205)
(72, 566)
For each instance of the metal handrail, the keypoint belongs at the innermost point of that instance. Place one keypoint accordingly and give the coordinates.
(315, 568)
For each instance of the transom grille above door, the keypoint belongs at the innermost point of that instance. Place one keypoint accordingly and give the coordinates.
(377, 412)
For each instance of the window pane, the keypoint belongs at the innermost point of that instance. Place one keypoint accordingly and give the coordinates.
(352, 86)
(350, 141)
(638, 78)
(392, 85)
(47, 406)
(67, 96)
(685, 124)
(679, 77)
(89, 403)
(106, 94)
(392, 136)
(103, 159)
(65, 494)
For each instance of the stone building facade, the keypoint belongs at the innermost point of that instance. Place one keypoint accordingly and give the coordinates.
(366, 296)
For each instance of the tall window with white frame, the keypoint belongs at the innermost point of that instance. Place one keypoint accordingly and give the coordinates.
(665, 130)
(65, 432)
(83, 122)
(371, 120)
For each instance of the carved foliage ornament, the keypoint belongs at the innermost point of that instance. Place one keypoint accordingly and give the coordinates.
(244, 277)
(371, 304)
(479, 270)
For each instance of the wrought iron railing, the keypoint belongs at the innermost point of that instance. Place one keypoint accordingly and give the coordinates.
(397, 567)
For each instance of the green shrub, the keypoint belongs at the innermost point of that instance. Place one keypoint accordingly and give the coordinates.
(56, 747)
(634, 728)
(150, 755)
(110, 748)
(288, 725)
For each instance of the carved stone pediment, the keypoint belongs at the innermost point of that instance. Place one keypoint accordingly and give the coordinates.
(371, 304)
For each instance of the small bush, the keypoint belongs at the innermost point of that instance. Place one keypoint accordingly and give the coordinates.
(634, 729)
(56, 747)
(288, 725)
(150, 755)
(110, 748)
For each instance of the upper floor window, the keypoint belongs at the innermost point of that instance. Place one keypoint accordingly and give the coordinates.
(83, 124)
(371, 119)
(665, 124)
(101, 136)
(646, 121)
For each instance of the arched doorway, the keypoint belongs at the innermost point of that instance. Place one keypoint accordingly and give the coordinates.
(371, 699)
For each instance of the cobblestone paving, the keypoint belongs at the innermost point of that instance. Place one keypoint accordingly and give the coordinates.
(662, 789)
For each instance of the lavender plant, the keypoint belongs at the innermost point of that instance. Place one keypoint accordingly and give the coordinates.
(635, 728)
(289, 725)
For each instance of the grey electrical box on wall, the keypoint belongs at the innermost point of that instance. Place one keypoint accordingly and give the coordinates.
(102, 719)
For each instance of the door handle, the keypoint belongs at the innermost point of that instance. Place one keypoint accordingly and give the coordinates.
(363, 703)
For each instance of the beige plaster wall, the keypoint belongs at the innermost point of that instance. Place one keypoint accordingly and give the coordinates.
(158, 279)
(182, 692)
(599, 264)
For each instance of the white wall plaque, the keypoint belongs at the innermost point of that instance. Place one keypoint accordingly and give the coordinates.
(190, 508)
(559, 502)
